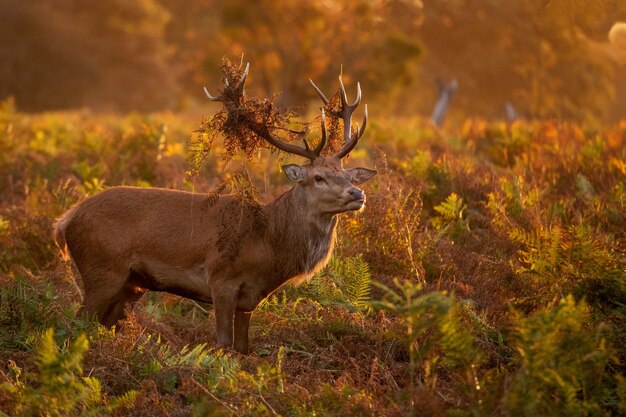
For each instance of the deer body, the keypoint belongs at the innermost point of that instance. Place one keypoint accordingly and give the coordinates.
(126, 241)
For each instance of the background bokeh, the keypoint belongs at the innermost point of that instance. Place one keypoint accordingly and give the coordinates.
(548, 58)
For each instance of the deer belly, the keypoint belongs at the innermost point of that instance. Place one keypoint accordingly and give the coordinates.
(190, 282)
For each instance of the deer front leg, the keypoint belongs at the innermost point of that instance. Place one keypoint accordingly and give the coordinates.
(248, 298)
(242, 323)
(225, 302)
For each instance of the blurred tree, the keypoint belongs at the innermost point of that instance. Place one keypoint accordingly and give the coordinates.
(289, 41)
(541, 55)
(547, 58)
(568, 77)
(69, 53)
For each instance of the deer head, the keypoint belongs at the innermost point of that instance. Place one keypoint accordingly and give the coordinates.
(327, 187)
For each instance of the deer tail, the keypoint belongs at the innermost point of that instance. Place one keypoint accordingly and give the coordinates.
(60, 227)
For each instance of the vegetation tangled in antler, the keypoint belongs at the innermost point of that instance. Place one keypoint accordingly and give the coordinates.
(240, 119)
(243, 122)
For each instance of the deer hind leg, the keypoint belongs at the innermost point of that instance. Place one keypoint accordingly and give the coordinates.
(126, 297)
(107, 295)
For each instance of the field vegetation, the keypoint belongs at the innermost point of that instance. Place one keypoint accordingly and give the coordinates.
(486, 277)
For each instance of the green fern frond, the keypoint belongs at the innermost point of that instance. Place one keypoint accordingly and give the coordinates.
(452, 208)
(434, 314)
(522, 237)
(124, 401)
(354, 281)
(456, 342)
(562, 363)
(216, 366)
(358, 282)
(450, 216)
(542, 249)
(59, 389)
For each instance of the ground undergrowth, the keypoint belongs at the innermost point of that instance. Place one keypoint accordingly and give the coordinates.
(486, 277)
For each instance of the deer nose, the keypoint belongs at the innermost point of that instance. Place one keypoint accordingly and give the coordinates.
(357, 194)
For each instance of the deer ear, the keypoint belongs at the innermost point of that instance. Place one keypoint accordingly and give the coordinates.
(294, 172)
(359, 175)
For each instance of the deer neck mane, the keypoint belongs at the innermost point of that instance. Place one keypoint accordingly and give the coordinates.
(302, 241)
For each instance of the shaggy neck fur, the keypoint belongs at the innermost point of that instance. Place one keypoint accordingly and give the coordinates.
(302, 241)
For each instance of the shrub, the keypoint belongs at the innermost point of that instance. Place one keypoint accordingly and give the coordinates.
(563, 364)
(60, 389)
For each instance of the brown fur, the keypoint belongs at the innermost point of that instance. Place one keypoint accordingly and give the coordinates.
(125, 241)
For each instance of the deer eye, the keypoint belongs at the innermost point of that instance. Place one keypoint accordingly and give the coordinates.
(319, 179)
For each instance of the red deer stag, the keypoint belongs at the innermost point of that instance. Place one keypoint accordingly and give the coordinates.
(126, 241)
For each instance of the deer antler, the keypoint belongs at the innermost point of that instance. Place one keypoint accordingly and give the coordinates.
(235, 94)
(350, 140)
(322, 142)
(238, 88)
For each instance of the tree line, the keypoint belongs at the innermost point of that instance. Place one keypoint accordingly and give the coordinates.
(542, 58)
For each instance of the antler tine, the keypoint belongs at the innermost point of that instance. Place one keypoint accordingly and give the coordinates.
(227, 83)
(319, 92)
(264, 133)
(346, 114)
(344, 96)
(362, 130)
(306, 145)
(218, 98)
(242, 81)
(353, 139)
(322, 142)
